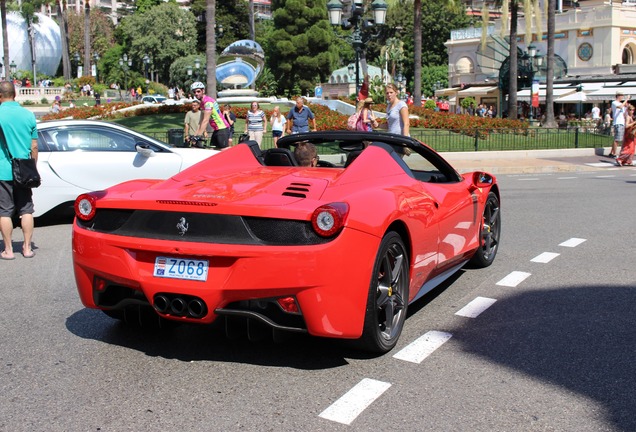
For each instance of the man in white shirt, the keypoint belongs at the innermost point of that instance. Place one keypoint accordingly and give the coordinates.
(618, 115)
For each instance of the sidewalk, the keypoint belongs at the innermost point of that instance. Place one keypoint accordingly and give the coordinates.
(531, 161)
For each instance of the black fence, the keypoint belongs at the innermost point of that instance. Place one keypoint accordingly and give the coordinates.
(444, 140)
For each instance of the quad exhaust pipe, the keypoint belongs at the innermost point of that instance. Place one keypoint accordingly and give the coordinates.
(180, 305)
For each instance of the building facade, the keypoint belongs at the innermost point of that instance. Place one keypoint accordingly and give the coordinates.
(596, 40)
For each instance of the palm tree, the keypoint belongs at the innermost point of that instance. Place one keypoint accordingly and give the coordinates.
(514, 70)
(210, 50)
(251, 15)
(5, 36)
(394, 52)
(549, 80)
(87, 37)
(63, 23)
(417, 48)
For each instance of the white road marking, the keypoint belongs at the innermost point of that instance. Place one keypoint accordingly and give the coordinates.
(602, 164)
(351, 404)
(422, 347)
(545, 257)
(566, 178)
(475, 307)
(573, 242)
(606, 176)
(513, 279)
(528, 179)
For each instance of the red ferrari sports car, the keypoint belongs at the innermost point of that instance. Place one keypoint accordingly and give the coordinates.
(336, 250)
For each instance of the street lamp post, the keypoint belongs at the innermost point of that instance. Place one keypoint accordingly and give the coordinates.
(76, 57)
(400, 80)
(355, 21)
(13, 68)
(533, 62)
(125, 63)
(197, 66)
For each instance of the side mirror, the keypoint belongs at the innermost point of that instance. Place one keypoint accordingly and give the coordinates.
(144, 150)
(481, 180)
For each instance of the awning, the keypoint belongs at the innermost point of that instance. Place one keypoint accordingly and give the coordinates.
(609, 93)
(524, 95)
(476, 91)
(450, 91)
(576, 97)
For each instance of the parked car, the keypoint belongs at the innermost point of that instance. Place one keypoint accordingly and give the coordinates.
(154, 99)
(77, 156)
(339, 250)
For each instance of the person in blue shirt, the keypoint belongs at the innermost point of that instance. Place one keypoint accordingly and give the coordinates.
(18, 139)
(299, 118)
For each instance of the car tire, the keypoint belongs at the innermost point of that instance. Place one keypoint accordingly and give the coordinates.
(489, 234)
(388, 296)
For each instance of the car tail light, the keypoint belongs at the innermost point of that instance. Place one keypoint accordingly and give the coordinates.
(289, 305)
(329, 219)
(85, 207)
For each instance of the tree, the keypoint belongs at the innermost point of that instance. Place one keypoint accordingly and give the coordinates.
(63, 23)
(393, 54)
(549, 80)
(87, 37)
(164, 33)
(5, 36)
(514, 67)
(417, 48)
(229, 15)
(210, 52)
(252, 27)
(301, 50)
(101, 36)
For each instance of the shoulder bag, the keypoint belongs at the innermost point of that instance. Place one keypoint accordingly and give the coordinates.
(25, 171)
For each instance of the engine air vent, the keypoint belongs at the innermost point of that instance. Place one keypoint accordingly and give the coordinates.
(297, 190)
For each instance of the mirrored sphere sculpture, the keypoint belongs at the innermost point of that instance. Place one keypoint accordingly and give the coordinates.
(240, 64)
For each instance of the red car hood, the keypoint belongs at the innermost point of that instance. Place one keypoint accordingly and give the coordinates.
(257, 187)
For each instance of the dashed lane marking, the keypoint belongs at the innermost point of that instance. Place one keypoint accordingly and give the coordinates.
(545, 257)
(566, 178)
(513, 279)
(605, 176)
(529, 179)
(573, 242)
(475, 307)
(422, 347)
(351, 404)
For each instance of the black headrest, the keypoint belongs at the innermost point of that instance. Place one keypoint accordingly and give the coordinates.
(351, 157)
(279, 157)
(256, 150)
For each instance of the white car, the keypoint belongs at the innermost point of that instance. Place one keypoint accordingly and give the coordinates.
(76, 156)
(158, 99)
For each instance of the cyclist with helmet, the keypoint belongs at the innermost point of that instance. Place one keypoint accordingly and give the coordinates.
(212, 115)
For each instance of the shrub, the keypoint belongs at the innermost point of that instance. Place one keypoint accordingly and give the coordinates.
(44, 101)
(430, 104)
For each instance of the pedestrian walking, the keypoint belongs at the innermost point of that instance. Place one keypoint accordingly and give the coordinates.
(618, 114)
(278, 121)
(397, 112)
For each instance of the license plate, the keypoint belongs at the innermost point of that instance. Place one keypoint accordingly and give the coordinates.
(181, 268)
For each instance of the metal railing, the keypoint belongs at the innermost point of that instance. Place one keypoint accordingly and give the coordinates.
(444, 140)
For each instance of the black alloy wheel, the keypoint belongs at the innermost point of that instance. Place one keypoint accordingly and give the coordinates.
(388, 296)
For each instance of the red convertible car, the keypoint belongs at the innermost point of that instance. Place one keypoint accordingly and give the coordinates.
(337, 250)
